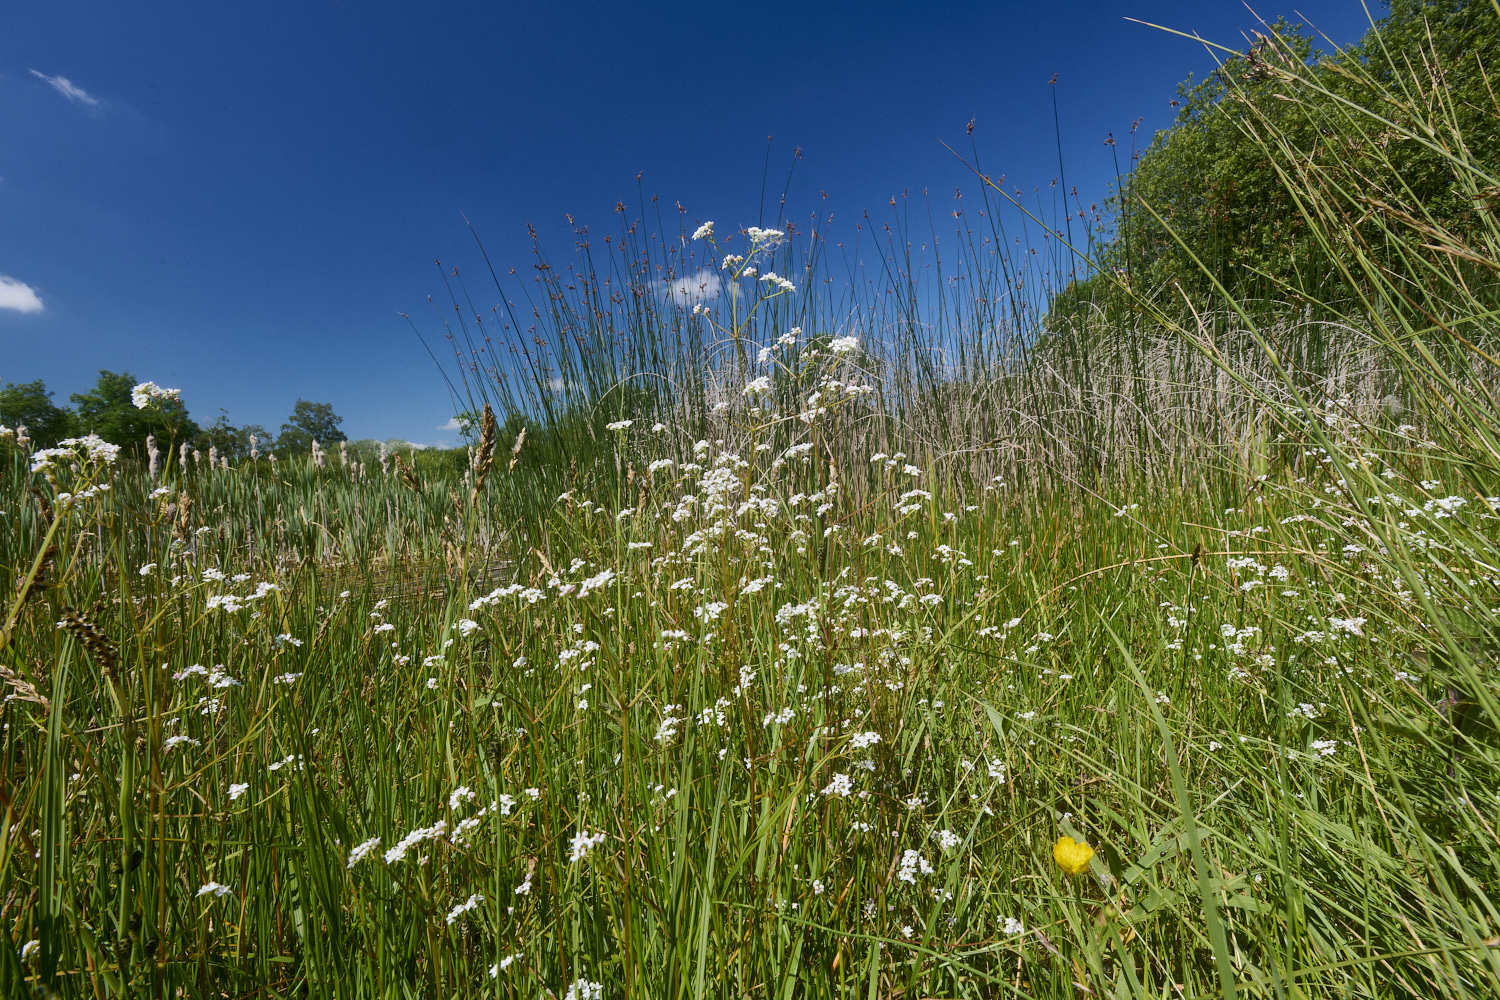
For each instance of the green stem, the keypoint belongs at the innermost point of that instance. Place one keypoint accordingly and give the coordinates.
(24, 590)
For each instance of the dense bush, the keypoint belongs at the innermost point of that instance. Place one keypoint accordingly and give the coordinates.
(1211, 200)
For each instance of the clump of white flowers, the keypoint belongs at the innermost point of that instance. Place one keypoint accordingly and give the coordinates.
(582, 989)
(778, 282)
(81, 454)
(582, 845)
(840, 786)
(912, 865)
(469, 904)
(146, 393)
(363, 851)
(418, 835)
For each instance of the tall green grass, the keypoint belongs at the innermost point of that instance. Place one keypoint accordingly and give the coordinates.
(747, 704)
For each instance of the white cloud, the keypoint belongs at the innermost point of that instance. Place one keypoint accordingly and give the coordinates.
(18, 295)
(695, 288)
(451, 425)
(65, 87)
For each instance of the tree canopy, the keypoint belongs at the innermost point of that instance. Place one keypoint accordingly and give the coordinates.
(29, 404)
(310, 422)
(1206, 188)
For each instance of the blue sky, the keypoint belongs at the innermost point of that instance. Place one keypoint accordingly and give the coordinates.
(239, 200)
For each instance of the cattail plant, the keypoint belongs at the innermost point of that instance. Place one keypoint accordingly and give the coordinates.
(154, 455)
(515, 451)
(408, 473)
(317, 454)
(481, 459)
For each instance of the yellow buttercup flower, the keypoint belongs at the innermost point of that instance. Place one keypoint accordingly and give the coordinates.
(1071, 856)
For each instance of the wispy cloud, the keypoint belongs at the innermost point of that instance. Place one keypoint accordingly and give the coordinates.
(451, 425)
(694, 288)
(18, 295)
(65, 87)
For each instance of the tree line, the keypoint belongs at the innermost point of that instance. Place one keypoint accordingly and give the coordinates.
(108, 411)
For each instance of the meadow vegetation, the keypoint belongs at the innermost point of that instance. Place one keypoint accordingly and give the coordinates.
(787, 632)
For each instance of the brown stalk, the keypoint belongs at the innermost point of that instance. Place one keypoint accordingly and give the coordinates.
(515, 452)
(485, 456)
(408, 474)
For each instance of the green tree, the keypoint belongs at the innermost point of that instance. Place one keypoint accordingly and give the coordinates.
(107, 410)
(30, 403)
(310, 422)
(1209, 183)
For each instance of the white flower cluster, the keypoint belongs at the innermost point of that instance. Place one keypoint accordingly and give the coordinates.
(1354, 626)
(947, 839)
(233, 602)
(418, 835)
(597, 582)
(841, 786)
(146, 393)
(582, 845)
(363, 851)
(582, 989)
(667, 731)
(912, 865)
(78, 453)
(469, 904)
